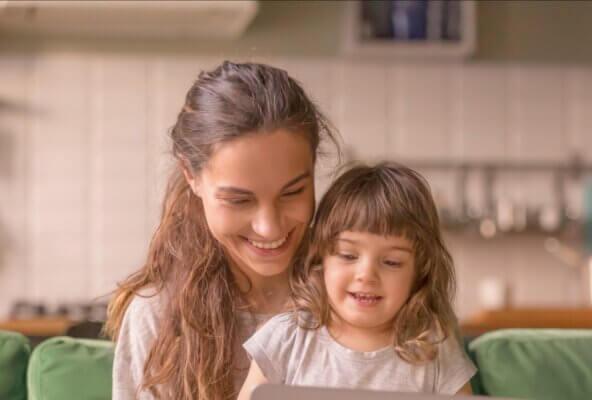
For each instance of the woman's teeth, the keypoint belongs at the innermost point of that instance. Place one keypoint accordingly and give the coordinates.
(269, 245)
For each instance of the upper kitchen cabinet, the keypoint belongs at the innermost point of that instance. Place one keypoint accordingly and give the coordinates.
(410, 29)
(127, 19)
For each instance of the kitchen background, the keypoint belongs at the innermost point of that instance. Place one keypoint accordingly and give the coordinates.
(84, 154)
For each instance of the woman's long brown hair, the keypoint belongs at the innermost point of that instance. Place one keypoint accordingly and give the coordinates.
(385, 199)
(192, 355)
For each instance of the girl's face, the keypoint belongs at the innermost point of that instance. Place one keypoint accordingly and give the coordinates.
(368, 279)
(258, 196)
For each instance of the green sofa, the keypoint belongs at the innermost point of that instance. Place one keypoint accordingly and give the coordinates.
(61, 368)
(526, 364)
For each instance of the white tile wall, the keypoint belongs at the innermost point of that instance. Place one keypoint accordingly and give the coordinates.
(536, 97)
(58, 179)
(421, 112)
(119, 159)
(484, 113)
(14, 191)
(88, 162)
(578, 103)
(362, 89)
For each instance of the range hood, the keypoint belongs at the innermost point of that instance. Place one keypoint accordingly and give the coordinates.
(164, 18)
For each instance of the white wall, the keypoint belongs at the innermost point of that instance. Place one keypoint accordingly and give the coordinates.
(85, 164)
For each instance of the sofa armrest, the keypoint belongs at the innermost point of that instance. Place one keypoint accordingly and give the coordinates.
(535, 363)
(66, 368)
(15, 350)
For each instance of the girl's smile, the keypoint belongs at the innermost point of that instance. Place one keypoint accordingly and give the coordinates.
(365, 299)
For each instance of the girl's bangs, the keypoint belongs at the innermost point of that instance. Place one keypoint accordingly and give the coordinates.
(373, 209)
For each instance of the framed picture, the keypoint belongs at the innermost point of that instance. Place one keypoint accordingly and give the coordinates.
(410, 28)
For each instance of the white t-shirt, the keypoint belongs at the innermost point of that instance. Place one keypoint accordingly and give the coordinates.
(289, 354)
(140, 327)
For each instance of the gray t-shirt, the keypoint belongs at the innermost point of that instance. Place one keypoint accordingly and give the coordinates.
(289, 354)
(140, 327)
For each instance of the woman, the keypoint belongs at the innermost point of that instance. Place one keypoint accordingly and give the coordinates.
(236, 211)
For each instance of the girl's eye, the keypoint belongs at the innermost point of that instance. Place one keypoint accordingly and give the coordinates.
(392, 263)
(294, 192)
(347, 256)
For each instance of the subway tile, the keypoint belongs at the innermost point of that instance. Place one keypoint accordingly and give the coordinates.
(554, 283)
(59, 267)
(14, 116)
(420, 122)
(119, 256)
(13, 274)
(536, 98)
(484, 114)
(361, 98)
(578, 117)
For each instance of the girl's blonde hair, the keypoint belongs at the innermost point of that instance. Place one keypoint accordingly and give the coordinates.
(385, 199)
(193, 354)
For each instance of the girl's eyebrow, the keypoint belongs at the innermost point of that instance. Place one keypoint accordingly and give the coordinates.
(237, 190)
(401, 247)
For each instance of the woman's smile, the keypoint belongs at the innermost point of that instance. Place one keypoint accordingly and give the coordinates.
(269, 248)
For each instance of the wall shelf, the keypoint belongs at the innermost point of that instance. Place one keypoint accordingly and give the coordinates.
(391, 33)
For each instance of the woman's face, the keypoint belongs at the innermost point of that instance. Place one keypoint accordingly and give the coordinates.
(258, 197)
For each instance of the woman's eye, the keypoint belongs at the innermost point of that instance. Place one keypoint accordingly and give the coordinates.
(236, 202)
(293, 192)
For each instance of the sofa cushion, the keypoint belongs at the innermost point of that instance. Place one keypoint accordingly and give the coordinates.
(535, 363)
(476, 384)
(66, 368)
(15, 350)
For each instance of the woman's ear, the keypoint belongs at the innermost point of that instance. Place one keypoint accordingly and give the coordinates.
(193, 181)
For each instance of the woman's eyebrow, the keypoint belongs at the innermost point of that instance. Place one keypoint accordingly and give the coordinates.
(237, 190)
(232, 190)
(294, 181)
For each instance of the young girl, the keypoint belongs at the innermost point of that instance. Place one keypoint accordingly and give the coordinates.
(373, 304)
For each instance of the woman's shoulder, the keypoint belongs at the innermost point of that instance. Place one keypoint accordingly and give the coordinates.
(148, 299)
(145, 310)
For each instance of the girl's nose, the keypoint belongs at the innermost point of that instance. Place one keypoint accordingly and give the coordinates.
(366, 271)
(267, 223)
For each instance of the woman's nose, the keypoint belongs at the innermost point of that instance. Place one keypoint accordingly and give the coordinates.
(267, 223)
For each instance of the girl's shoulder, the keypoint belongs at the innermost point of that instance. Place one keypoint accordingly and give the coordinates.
(285, 321)
(285, 326)
(453, 365)
(291, 319)
(451, 346)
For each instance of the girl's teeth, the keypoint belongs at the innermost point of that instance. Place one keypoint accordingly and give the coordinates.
(366, 297)
(268, 245)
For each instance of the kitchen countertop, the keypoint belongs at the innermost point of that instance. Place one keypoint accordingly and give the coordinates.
(532, 317)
